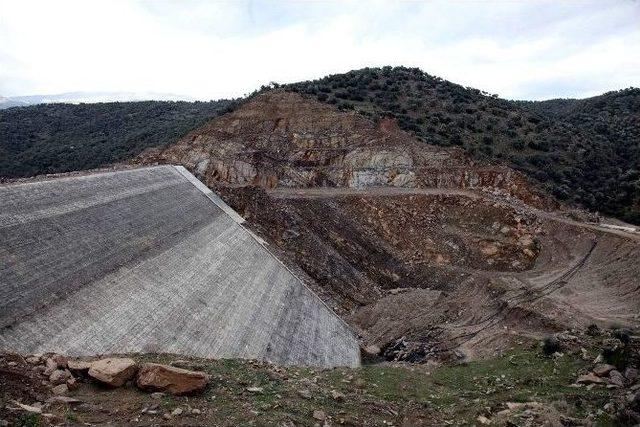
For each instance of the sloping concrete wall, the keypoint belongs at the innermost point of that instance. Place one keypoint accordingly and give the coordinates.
(149, 260)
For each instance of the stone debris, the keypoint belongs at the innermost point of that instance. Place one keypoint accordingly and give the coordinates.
(616, 378)
(151, 410)
(33, 360)
(63, 399)
(336, 395)
(29, 408)
(59, 376)
(371, 350)
(319, 415)
(50, 366)
(157, 377)
(483, 420)
(79, 366)
(60, 390)
(60, 360)
(255, 389)
(113, 371)
(305, 394)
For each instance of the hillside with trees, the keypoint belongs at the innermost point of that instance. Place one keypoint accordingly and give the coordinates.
(582, 151)
(52, 138)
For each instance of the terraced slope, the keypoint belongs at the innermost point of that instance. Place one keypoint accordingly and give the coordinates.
(148, 260)
(424, 251)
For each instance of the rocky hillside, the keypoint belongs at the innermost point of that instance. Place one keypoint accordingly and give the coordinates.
(281, 139)
(427, 253)
(585, 151)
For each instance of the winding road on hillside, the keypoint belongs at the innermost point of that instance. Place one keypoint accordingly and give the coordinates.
(331, 192)
(564, 261)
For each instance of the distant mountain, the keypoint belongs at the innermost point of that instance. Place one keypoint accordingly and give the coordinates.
(10, 102)
(89, 98)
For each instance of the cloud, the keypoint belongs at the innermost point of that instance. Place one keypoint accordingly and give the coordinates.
(210, 50)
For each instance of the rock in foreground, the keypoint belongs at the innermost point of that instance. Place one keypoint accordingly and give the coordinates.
(156, 377)
(113, 371)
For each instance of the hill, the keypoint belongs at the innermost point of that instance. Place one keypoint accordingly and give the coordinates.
(426, 252)
(581, 151)
(56, 138)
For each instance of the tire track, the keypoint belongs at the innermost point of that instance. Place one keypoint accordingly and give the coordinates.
(529, 296)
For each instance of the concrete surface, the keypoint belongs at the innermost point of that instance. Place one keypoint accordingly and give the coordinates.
(150, 260)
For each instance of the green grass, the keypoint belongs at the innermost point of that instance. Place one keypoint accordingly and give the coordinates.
(378, 394)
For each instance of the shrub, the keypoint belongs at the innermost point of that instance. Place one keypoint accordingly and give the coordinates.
(551, 345)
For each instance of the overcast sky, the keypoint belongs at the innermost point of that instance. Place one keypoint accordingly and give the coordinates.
(208, 50)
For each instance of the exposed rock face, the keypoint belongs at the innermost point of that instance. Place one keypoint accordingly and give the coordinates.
(156, 377)
(280, 139)
(360, 210)
(113, 371)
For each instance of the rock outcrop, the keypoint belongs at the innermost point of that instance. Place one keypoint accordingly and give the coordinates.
(156, 377)
(280, 139)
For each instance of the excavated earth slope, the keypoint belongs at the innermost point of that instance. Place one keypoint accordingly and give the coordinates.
(149, 260)
(426, 253)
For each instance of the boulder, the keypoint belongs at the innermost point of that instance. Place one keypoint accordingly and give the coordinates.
(603, 369)
(51, 366)
(305, 394)
(589, 379)
(60, 376)
(616, 378)
(631, 374)
(60, 390)
(33, 360)
(319, 415)
(336, 395)
(72, 384)
(156, 377)
(372, 350)
(79, 366)
(113, 371)
(60, 360)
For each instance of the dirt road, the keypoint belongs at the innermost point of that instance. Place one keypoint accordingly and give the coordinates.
(326, 192)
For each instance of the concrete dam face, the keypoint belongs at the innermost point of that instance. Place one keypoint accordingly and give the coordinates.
(150, 260)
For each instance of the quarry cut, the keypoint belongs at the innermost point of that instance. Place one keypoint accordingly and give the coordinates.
(150, 260)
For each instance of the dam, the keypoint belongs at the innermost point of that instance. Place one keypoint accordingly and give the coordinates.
(150, 260)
